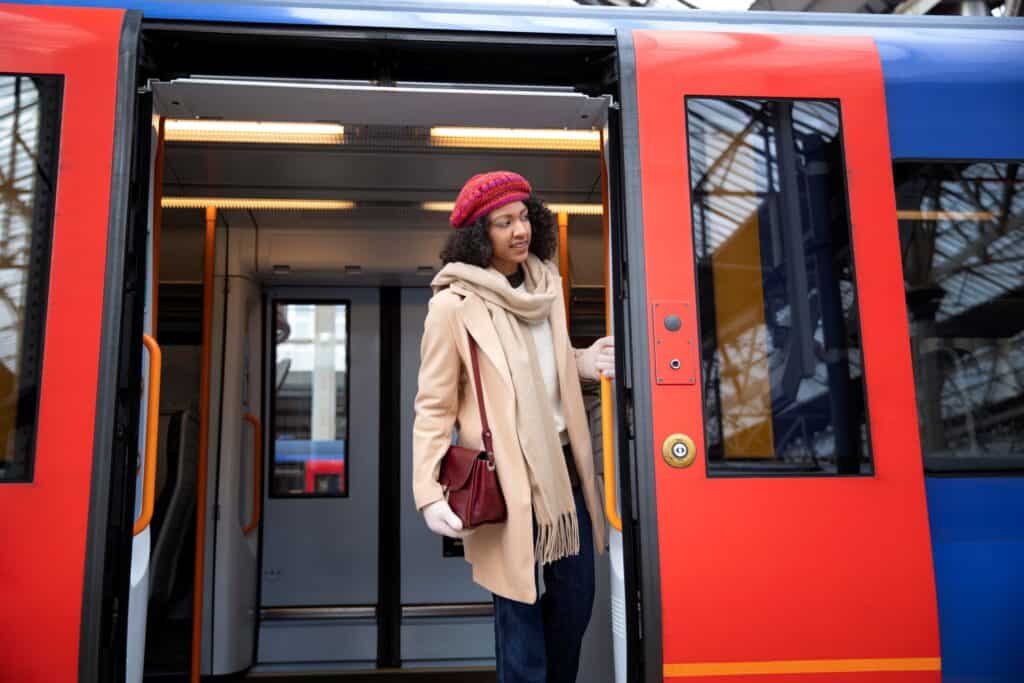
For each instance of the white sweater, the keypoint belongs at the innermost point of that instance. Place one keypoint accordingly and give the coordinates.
(545, 344)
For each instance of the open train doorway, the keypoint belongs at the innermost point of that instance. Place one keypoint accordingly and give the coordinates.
(325, 206)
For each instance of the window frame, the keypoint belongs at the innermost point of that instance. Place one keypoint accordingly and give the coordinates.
(781, 471)
(50, 88)
(937, 466)
(287, 299)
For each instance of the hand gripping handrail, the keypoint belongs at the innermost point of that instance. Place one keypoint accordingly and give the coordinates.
(152, 426)
(257, 472)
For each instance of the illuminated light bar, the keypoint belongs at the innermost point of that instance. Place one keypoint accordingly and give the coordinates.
(265, 132)
(517, 138)
(577, 209)
(571, 209)
(945, 215)
(257, 204)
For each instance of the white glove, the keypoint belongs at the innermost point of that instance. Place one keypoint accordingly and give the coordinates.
(598, 360)
(442, 521)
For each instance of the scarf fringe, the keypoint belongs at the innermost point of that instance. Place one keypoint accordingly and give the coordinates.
(557, 539)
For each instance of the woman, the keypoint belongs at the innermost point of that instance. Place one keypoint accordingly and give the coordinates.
(499, 286)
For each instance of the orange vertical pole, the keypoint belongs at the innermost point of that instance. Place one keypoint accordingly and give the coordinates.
(209, 249)
(607, 428)
(563, 257)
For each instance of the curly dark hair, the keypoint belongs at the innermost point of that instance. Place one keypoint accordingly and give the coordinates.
(472, 244)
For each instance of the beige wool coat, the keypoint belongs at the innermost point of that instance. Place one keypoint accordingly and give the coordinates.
(501, 554)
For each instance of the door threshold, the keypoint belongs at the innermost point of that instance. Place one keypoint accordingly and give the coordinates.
(420, 675)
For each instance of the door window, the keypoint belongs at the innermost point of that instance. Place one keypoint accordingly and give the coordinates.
(780, 343)
(962, 237)
(29, 137)
(310, 406)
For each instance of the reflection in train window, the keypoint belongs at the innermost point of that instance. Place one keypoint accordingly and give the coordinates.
(310, 409)
(962, 236)
(780, 343)
(29, 136)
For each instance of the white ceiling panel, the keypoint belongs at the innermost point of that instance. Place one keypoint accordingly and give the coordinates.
(403, 105)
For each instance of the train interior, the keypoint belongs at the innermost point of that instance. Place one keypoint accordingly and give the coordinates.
(330, 204)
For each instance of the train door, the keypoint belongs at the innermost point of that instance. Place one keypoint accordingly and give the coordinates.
(336, 450)
(793, 534)
(319, 554)
(444, 615)
(60, 107)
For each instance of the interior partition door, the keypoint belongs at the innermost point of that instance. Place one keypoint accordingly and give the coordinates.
(793, 533)
(319, 554)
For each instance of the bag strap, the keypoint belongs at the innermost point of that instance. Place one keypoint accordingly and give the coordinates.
(486, 433)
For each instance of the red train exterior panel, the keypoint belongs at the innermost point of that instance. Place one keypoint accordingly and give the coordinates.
(43, 523)
(788, 579)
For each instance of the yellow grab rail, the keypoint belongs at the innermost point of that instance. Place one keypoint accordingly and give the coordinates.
(198, 575)
(257, 472)
(152, 422)
(611, 503)
(563, 259)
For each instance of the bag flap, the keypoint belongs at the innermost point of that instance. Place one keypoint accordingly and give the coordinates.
(457, 466)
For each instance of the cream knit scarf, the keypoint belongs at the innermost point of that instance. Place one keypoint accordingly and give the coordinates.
(512, 312)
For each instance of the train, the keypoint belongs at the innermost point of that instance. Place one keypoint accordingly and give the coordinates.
(218, 226)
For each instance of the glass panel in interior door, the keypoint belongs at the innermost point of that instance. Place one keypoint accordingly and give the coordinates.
(310, 438)
(29, 137)
(779, 336)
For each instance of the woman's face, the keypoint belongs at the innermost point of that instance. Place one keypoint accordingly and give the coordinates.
(509, 230)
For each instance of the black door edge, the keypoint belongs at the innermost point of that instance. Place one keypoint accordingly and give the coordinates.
(639, 504)
(389, 577)
(104, 610)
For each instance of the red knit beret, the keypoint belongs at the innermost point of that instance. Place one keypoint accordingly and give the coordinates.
(486, 192)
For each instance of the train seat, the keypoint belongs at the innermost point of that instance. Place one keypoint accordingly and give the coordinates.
(172, 520)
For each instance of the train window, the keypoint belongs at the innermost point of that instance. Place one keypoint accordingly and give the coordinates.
(29, 144)
(780, 344)
(310, 406)
(962, 234)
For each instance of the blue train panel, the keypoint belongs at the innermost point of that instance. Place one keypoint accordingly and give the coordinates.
(978, 548)
(954, 94)
(304, 450)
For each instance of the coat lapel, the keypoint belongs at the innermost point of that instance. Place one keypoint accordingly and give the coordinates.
(477, 321)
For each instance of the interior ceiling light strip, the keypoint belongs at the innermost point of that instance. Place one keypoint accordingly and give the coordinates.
(577, 209)
(945, 215)
(257, 204)
(571, 209)
(517, 138)
(265, 132)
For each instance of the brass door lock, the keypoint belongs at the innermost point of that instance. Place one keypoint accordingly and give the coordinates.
(678, 450)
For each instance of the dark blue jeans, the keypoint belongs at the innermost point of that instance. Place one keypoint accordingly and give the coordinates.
(540, 643)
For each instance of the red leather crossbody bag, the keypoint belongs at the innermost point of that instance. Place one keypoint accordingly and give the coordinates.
(469, 476)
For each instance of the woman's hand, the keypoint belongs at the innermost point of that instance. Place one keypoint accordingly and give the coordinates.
(442, 521)
(598, 360)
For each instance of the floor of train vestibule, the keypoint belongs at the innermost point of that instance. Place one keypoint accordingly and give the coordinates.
(373, 677)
